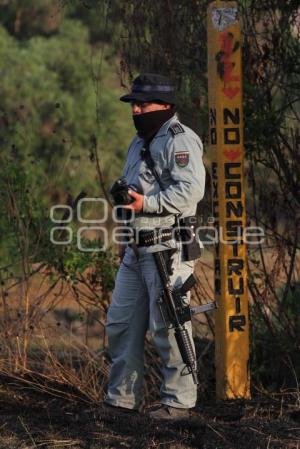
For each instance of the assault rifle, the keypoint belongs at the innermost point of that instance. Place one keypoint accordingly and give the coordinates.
(175, 312)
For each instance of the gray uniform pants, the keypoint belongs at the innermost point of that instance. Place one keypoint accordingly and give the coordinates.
(133, 311)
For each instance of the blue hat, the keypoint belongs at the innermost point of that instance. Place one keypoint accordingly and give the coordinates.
(150, 87)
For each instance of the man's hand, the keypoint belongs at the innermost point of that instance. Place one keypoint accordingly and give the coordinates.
(137, 205)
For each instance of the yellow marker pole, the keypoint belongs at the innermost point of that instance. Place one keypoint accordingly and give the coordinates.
(226, 145)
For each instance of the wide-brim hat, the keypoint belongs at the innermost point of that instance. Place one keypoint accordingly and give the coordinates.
(151, 87)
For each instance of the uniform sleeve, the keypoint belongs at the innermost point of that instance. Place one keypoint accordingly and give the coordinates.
(129, 155)
(184, 161)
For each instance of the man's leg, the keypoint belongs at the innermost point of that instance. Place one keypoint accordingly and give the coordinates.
(127, 323)
(177, 390)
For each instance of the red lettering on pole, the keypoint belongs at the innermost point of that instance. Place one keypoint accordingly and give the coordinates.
(230, 92)
(225, 66)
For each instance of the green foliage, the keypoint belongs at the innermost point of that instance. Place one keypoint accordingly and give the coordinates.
(26, 227)
(26, 18)
(22, 214)
(49, 107)
(102, 18)
(59, 96)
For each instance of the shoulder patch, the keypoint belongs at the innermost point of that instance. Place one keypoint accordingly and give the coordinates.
(176, 128)
(182, 158)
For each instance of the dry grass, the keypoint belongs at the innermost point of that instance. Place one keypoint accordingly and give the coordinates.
(34, 419)
(54, 369)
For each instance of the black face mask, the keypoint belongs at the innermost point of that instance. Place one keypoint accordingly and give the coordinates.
(149, 123)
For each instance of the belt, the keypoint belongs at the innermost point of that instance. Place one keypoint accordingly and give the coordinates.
(153, 237)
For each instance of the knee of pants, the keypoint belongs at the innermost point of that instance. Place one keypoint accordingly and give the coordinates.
(117, 326)
(166, 343)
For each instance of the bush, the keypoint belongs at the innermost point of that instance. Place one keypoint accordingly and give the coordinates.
(275, 341)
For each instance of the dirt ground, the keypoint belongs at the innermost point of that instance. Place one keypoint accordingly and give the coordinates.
(31, 419)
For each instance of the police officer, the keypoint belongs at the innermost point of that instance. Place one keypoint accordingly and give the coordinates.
(167, 189)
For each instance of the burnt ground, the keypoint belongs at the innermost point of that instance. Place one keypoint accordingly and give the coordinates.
(31, 419)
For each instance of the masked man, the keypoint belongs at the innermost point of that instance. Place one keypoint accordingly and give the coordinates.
(164, 164)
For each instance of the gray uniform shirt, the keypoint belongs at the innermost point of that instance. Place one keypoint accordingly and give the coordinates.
(177, 156)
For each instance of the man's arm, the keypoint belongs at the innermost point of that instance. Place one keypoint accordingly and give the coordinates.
(184, 160)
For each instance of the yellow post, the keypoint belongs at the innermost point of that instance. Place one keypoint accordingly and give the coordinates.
(226, 145)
